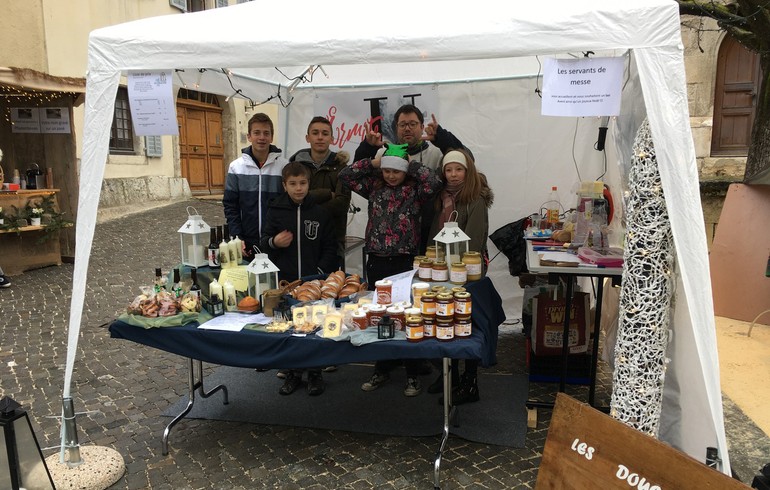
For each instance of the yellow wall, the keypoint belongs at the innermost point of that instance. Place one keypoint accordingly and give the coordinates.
(22, 40)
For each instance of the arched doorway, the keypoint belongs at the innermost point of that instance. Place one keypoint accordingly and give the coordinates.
(201, 146)
(737, 83)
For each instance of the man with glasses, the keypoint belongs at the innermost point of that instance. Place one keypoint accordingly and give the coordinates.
(253, 180)
(427, 145)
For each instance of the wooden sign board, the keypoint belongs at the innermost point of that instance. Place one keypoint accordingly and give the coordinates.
(586, 448)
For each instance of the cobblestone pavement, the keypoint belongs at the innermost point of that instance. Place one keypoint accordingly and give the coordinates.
(127, 386)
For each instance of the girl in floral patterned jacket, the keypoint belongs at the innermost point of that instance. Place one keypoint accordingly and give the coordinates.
(396, 190)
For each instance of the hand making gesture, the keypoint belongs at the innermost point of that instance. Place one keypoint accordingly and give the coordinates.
(374, 138)
(430, 129)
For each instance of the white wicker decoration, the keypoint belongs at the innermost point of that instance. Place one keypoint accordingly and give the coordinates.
(645, 297)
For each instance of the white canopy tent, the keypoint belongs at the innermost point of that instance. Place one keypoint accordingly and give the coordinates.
(490, 48)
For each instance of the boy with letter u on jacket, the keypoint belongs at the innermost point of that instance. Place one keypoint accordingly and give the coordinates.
(299, 239)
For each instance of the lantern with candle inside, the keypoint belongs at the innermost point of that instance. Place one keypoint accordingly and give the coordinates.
(386, 329)
(453, 241)
(194, 236)
(263, 275)
(22, 464)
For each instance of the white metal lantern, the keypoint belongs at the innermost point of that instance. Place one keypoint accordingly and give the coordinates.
(263, 275)
(194, 236)
(453, 241)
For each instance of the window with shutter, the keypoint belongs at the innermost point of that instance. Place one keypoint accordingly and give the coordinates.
(180, 4)
(222, 3)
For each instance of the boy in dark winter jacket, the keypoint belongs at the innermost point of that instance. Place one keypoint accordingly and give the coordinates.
(325, 187)
(299, 239)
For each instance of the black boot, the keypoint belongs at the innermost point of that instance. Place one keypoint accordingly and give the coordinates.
(438, 385)
(468, 391)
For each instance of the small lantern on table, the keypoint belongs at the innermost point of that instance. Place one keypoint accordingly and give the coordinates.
(386, 329)
(263, 274)
(453, 241)
(22, 464)
(194, 237)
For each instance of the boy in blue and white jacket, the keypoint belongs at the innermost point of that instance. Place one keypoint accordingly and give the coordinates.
(252, 182)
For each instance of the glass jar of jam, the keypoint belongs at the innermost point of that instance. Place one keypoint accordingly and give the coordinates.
(375, 314)
(359, 319)
(429, 326)
(458, 273)
(418, 289)
(438, 289)
(428, 304)
(445, 329)
(445, 304)
(440, 271)
(383, 290)
(398, 316)
(418, 260)
(463, 303)
(472, 261)
(413, 311)
(463, 326)
(414, 329)
(425, 272)
(432, 251)
(458, 289)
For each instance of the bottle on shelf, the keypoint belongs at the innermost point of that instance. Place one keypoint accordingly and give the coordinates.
(213, 250)
(195, 288)
(176, 288)
(552, 206)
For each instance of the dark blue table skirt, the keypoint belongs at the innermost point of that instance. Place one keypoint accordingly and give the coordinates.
(252, 349)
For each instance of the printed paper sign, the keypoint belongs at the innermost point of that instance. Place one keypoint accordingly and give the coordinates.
(25, 120)
(582, 87)
(151, 98)
(55, 120)
(402, 286)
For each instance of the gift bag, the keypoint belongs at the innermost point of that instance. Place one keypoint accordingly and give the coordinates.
(548, 324)
(270, 300)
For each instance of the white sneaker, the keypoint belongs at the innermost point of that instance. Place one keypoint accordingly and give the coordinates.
(4, 282)
(413, 387)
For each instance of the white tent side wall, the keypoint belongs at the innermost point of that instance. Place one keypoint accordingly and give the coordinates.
(490, 30)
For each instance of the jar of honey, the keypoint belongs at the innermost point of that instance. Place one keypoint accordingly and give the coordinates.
(418, 289)
(375, 314)
(440, 271)
(472, 261)
(418, 260)
(383, 290)
(399, 318)
(445, 304)
(425, 272)
(445, 329)
(463, 326)
(429, 326)
(414, 329)
(457, 289)
(413, 311)
(438, 289)
(458, 273)
(434, 252)
(428, 304)
(359, 319)
(463, 303)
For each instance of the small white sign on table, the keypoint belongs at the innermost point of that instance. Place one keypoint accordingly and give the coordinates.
(582, 87)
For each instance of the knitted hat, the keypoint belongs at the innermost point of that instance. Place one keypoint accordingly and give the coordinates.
(454, 156)
(395, 157)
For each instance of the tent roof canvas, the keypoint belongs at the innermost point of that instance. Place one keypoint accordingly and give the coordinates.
(421, 42)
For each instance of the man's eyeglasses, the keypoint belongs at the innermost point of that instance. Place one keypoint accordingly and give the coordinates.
(410, 124)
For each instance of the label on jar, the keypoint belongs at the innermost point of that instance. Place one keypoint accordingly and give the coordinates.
(439, 275)
(425, 273)
(428, 307)
(445, 308)
(445, 331)
(429, 329)
(414, 331)
(458, 277)
(463, 328)
(473, 269)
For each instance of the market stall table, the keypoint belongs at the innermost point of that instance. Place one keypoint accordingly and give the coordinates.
(569, 274)
(254, 349)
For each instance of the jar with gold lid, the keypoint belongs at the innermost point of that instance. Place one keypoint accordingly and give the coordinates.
(463, 326)
(429, 326)
(425, 272)
(414, 329)
(463, 303)
(440, 271)
(428, 304)
(418, 260)
(472, 261)
(434, 252)
(458, 274)
(457, 289)
(445, 304)
(445, 329)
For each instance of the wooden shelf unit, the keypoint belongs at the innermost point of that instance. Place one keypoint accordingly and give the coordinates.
(19, 250)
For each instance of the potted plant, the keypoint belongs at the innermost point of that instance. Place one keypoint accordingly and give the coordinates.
(2, 216)
(35, 215)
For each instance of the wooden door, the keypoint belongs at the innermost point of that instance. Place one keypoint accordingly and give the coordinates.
(737, 83)
(201, 147)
